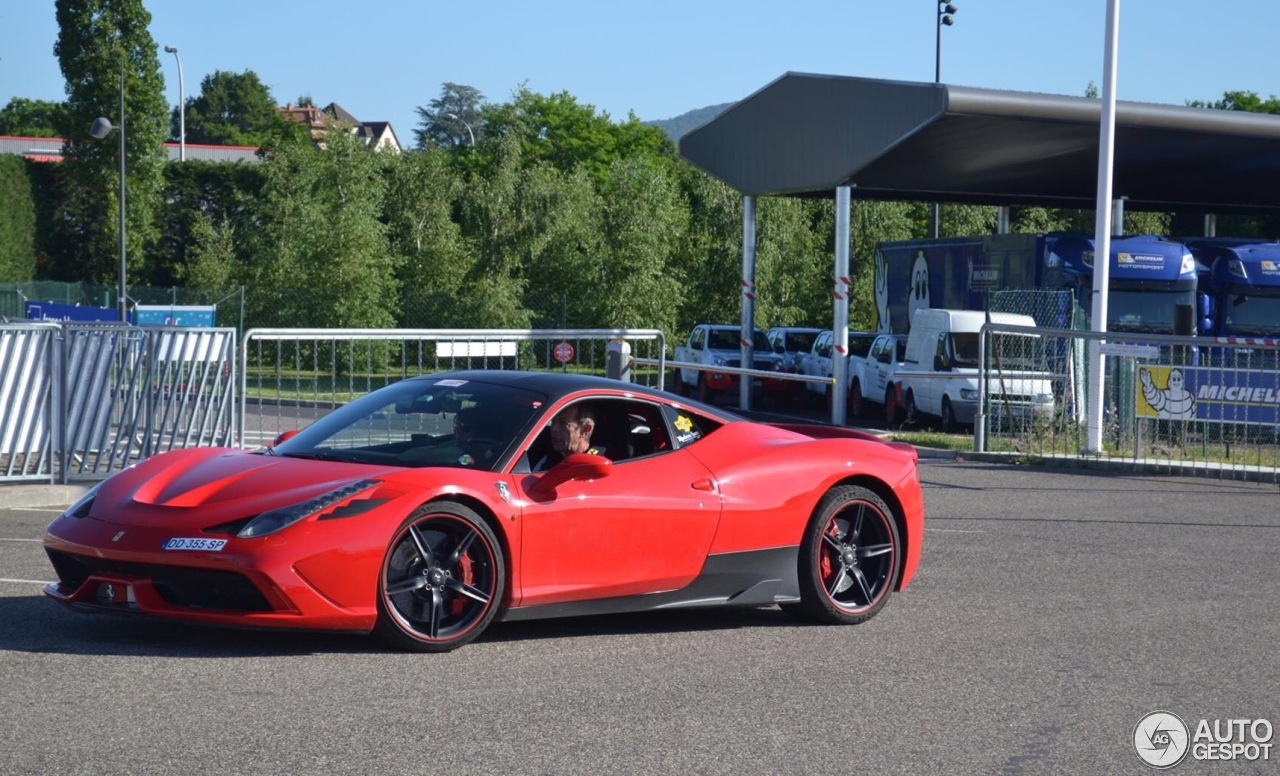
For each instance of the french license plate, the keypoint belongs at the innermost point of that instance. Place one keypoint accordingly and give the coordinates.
(196, 544)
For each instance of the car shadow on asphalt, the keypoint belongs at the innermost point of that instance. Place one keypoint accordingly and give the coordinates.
(37, 625)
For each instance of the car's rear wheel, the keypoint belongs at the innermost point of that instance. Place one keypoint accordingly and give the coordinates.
(856, 404)
(442, 580)
(704, 394)
(911, 414)
(850, 558)
(892, 409)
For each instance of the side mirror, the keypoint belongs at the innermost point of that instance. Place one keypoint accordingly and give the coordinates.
(940, 364)
(579, 466)
(284, 437)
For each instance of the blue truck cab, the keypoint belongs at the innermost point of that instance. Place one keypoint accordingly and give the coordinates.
(1153, 285)
(1242, 278)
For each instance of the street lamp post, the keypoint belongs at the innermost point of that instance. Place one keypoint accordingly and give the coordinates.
(946, 14)
(100, 129)
(182, 107)
(470, 134)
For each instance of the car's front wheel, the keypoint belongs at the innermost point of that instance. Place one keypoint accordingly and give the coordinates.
(442, 580)
(856, 407)
(850, 558)
(950, 424)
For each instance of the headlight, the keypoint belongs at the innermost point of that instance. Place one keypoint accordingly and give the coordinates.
(717, 361)
(270, 522)
(1043, 398)
(1188, 264)
(969, 394)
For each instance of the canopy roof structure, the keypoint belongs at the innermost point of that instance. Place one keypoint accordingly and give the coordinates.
(805, 135)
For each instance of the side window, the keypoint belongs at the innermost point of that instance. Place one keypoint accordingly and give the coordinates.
(942, 349)
(699, 335)
(688, 427)
(859, 346)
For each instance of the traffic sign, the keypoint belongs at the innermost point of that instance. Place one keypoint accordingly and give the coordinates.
(563, 352)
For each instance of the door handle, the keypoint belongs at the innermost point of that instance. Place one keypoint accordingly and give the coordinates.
(704, 484)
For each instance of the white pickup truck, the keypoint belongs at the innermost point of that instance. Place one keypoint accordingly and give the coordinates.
(872, 378)
(820, 362)
(719, 344)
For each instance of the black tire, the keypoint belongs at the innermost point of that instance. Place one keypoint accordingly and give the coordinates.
(892, 411)
(850, 558)
(856, 404)
(677, 386)
(949, 423)
(703, 393)
(442, 580)
(911, 414)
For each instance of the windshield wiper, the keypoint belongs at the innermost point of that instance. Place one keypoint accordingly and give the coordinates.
(317, 456)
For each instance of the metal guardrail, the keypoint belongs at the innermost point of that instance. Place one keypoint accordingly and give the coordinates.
(290, 376)
(82, 401)
(1191, 404)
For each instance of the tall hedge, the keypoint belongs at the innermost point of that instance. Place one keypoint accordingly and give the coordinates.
(17, 222)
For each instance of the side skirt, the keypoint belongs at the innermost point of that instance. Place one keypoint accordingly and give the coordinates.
(756, 578)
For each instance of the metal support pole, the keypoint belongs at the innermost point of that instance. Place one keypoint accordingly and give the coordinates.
(1102, 231)
(747, 336)
(840, 317)
(124, 261)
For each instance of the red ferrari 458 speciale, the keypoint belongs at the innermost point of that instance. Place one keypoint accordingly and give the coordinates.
(425, 510)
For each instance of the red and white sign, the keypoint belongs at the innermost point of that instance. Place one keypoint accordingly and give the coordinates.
(563, 353)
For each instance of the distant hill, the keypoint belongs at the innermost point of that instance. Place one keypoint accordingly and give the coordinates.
(687, 122)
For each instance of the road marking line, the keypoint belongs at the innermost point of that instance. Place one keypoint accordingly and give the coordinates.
(25, 581)
(951, 530)
(21, 540)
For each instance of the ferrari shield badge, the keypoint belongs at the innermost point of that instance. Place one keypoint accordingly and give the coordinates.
(504, 491)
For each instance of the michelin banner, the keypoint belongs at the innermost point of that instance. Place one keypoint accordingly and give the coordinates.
(1207, 393)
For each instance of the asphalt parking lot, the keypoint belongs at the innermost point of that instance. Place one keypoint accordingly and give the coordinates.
(1053, 610)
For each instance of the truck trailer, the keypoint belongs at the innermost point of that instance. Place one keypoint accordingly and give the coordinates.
(1153, 280)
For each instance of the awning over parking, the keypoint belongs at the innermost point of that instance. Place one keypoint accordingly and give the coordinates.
(804, 135)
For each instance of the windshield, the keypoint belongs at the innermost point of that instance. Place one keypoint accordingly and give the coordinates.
(964, 349)
(1247, 310)
(1146, 307)
(421, 422)
(801, 342)
(727, 339)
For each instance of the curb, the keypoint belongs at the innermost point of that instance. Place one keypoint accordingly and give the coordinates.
(40, 496)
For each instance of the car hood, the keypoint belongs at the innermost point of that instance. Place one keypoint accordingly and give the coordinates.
(217, 484)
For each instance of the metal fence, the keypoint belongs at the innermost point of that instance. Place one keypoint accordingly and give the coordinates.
(289, 377)
(1192, 405)
(83, 401)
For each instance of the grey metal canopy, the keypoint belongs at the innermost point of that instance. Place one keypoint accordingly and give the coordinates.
(804, 135)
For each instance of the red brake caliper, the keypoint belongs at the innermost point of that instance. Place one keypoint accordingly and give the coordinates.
(824, 565)
(467, 576)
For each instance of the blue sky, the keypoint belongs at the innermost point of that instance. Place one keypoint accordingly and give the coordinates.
(661, 58)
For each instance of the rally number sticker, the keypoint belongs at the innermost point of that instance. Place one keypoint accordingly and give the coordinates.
(200, 545)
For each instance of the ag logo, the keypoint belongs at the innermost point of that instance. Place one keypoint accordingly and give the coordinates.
(1161, 739)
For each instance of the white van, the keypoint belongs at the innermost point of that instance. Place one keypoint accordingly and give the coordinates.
(939, 376)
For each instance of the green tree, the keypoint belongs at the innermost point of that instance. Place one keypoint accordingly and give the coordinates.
(212, 263)
(17, 222)
(444, 121)
(1245, 101)
(33, 118)
(97, 40)
(432, 257)
(645, 220)
(323, 245)
(231, 109)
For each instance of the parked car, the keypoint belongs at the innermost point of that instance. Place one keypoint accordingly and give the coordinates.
(940, 374)
(719, 344)
(820, 362)
(793, 343)
(872, 377)
(390, 515)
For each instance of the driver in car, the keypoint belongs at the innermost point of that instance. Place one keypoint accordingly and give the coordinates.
(570, 433)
